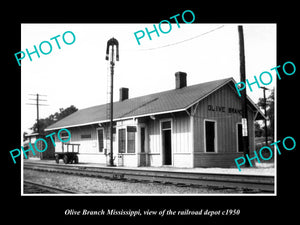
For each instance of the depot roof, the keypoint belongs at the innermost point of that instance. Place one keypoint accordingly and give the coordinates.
(174, 100)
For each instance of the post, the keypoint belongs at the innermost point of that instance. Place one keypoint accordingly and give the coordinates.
(37, 104)
(243, 95)
(265, 109)
(111, 160)
(37, 114)
(112, 42)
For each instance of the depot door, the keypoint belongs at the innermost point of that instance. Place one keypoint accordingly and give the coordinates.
(142, 150)
(210, 136)
(166, 133)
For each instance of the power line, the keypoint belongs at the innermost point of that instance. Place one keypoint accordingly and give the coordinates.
(179, 42)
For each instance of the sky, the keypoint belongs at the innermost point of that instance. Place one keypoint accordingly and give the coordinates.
(76, 74)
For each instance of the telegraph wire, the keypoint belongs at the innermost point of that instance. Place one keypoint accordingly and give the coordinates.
(179, 42)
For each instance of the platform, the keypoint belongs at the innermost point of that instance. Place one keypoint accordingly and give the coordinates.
(263, 169)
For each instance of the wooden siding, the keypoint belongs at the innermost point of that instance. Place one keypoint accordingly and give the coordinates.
(181, 133)
(226, 128)
(87, 145)
(216, 160)
(154, 137)
(187, 136)
(89, 150)
(126, 159)
(181, 140)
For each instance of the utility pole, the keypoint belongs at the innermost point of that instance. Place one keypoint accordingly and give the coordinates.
(243, 96)
(37, 109)
(111, 42)
(265, 107)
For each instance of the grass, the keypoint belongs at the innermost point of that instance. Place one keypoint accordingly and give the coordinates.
(259, 143)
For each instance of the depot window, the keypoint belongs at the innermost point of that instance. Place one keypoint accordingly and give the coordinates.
(122, 140)
(131, 139)
(100, 134)
(127, 139)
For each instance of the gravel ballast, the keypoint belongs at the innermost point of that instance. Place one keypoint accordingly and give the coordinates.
(89, 185)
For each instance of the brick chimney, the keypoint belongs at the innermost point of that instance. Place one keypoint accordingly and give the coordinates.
(180, 80)
(124, 94)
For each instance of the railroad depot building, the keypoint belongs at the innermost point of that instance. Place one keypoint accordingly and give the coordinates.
(189, 126)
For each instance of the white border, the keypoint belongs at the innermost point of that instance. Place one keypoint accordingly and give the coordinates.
(206, 194)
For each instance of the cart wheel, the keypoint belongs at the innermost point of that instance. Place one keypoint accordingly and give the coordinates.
(57, 159)
(66, 159)
(76, 159)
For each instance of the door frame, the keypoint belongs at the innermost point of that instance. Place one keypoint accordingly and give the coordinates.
(139, 142)
(216, 135)
(161, 140)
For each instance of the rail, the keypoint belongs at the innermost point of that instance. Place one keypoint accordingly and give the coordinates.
(245, 182)
(36, 188)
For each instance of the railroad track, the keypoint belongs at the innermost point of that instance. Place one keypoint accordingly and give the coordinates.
(248, 183)
(36, 188)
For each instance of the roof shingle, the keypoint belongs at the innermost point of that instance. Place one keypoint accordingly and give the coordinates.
(172, 100)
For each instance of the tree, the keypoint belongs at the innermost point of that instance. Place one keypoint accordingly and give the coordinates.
(24, 136)
(258, 130)
(54, 118)
(270, 110)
